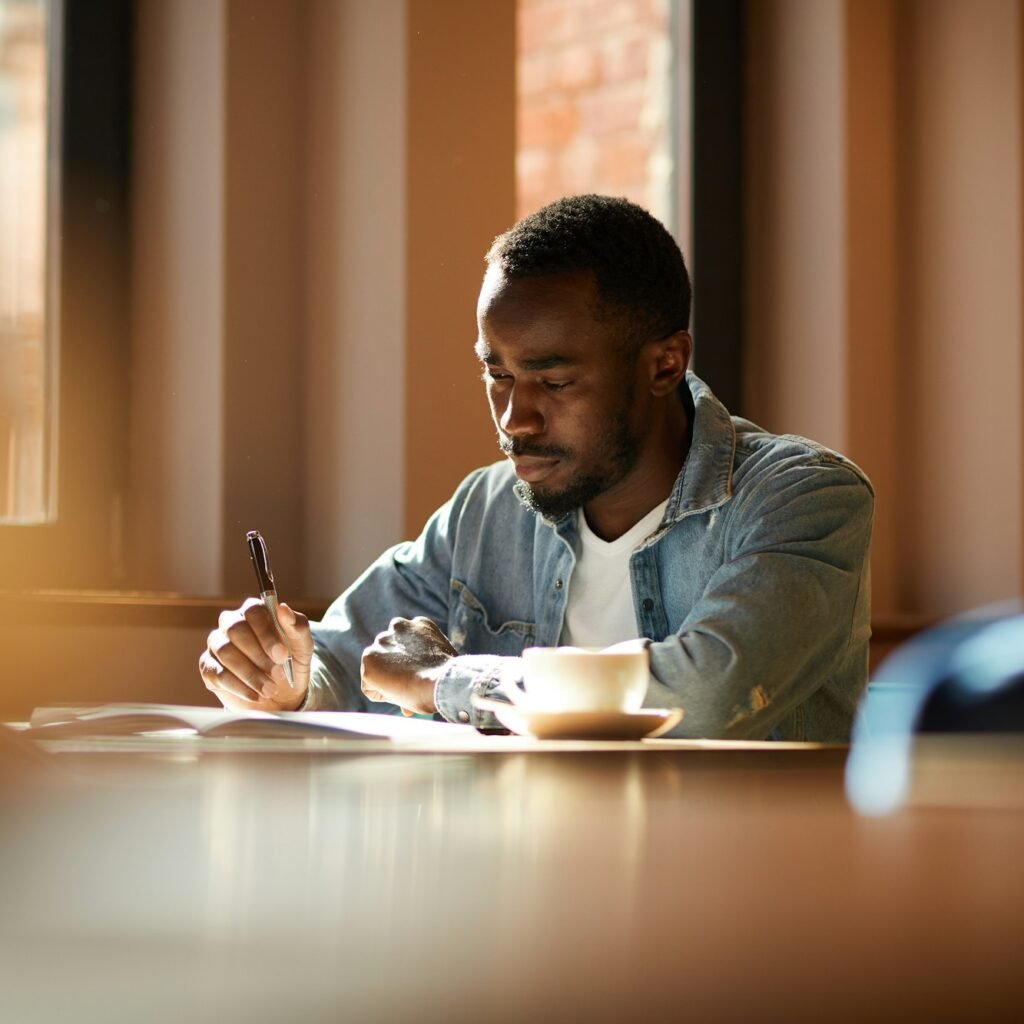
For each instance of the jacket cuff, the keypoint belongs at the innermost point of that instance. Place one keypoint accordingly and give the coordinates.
(485, 674)
(320, 694)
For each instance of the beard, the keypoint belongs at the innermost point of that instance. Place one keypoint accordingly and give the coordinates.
(614, 455)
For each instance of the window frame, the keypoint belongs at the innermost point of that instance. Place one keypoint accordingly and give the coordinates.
(717, 202)
(87, 304)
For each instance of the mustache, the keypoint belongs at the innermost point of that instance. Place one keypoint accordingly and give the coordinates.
(511, 446)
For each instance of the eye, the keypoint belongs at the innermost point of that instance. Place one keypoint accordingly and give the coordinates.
(556, 385)
(491, 376)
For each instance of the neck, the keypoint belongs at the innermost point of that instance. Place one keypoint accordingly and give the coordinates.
(649, 482)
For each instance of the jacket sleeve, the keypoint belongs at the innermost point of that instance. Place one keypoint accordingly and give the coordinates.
(782, 610)
(410, 579)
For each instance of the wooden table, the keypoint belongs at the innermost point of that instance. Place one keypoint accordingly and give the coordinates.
(314, 882)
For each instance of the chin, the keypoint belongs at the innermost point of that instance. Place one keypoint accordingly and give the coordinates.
(545, 502)
(555, 503)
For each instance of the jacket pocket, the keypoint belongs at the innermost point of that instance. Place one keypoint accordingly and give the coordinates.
(471, 630)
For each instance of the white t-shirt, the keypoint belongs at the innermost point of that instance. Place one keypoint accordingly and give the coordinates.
(599, 610)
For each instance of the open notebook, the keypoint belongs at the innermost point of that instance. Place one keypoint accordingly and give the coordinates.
(136, 719)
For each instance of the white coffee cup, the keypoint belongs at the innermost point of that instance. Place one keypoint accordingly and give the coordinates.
(582, 679)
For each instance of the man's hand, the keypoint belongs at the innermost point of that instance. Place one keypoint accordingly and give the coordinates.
(403, 664)
(243, 664)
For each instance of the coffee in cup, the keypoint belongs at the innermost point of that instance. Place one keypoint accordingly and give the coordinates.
(584, 679)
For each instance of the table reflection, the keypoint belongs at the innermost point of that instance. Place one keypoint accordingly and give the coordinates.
(416, 886)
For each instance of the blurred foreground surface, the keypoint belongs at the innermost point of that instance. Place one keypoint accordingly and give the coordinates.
(203, 881)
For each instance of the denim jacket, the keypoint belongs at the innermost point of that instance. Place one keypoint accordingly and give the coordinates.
(752, 596)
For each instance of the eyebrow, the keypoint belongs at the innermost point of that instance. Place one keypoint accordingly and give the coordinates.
(543, 363)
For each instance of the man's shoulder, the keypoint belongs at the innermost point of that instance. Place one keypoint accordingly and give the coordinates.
(788, 486)
(760, 453)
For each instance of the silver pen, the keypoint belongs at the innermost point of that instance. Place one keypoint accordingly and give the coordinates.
(268, 592)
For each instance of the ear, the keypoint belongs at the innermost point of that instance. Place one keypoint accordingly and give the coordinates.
(668, 359)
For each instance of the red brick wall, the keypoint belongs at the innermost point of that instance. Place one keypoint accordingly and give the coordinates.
(594, 88)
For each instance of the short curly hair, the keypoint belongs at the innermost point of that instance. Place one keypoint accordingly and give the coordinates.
(639, 272)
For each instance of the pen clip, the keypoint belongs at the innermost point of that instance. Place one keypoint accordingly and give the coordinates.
(260, 561)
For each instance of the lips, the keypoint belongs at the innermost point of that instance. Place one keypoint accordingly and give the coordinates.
(532, 468)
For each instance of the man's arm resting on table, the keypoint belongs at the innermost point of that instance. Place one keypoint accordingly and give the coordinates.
(772, 623)
(780, 615)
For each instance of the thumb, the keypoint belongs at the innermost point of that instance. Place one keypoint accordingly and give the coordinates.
(295, 627)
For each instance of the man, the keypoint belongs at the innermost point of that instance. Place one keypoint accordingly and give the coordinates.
(630, 506)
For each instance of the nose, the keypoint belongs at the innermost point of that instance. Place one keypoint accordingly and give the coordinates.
(521, 415)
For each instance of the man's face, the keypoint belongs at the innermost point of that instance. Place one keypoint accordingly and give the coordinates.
(564, 397)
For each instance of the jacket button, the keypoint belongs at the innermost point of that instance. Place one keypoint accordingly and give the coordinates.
(558, 584)
(463, 716)
(648, 605)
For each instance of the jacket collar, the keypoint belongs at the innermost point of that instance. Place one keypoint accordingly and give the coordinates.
(705, 481)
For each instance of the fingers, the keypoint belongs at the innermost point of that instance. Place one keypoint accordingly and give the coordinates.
(227, 687)
(401, 664)
(420, 636)
(232, 693)
(256, 616)
(419, 624)
(242, 647)
(253, 671)
(237, 660)
(367, 666)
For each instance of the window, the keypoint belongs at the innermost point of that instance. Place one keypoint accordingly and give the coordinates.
(644, 99)
(65, 69)
(28, 33)
(602, 103)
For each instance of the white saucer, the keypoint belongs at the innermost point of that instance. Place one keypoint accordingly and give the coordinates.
(582, 725)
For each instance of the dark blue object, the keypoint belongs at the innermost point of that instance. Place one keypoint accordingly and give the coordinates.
(963, 676)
